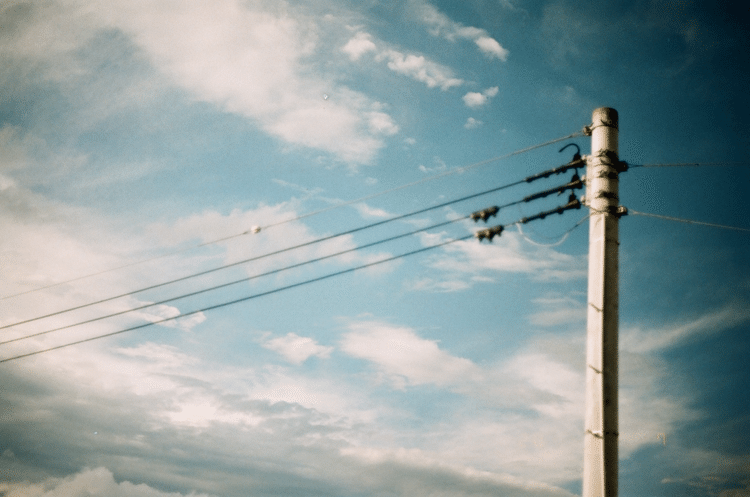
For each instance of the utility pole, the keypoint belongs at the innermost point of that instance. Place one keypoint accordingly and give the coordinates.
(601, 426)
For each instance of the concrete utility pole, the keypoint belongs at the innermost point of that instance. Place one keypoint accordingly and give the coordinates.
(602, 180)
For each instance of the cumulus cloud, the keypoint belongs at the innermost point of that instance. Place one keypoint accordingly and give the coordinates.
(297, 349)
(477, 99)
(441, 25)
(359, 45)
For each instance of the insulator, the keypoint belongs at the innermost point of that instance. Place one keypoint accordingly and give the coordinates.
(485, 214)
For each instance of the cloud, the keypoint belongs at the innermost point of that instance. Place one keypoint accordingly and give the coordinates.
(417, 67)
(469, 259)
(276, 232)
(491, 48)
(369, 212)
(297, 349)
(556, 311)
(440, 166)
(475, 99)
(645, 340)
(413, 472)
(253, 62)
(432, 285)
(145, 413)
(99, 481)
(472, 123)
(381, 123)
(442, 25)
(421, 69)
(405, 357)
(359, 45)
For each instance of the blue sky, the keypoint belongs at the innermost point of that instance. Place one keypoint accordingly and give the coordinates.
(130, 130)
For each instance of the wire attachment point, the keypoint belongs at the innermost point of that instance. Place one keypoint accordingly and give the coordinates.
(489, 233)
(485, 214)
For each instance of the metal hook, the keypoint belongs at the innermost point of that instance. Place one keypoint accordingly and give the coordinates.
(577, 155)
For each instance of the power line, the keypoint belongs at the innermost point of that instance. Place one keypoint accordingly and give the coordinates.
(497, 230)
(306, 215)
(237, 301)
(241, 280)
(693, 164)
(269, 254)
(689, 221)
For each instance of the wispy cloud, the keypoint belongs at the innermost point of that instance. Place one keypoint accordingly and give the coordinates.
(646, 339)
(297, 349)
(227, 62)
(508, 254)
(404, 357)
(442, 25)
(415, 66)
(439, 167)
(418, 67)
(472, 123)
(369, 212)
(557, 310)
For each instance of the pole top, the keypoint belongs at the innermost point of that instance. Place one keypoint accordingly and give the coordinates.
(605, 116)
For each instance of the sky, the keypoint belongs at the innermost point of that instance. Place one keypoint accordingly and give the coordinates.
(146, 141)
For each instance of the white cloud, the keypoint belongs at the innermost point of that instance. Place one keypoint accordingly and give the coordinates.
(422, 474)
(421, 69)
(213, 225)
(99, 481)
(440, 166)
(645, 340)
(442, 25)
(405, 357)
(252, 62)
(556, 311)
(370, 212)
(509, 253)
(381, 123)
(432, 285)
(297, 349)
(359, 45)
(491, 47)
(159, 313)
(476, 99)
(472, 123)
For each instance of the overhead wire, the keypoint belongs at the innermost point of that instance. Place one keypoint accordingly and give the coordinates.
(693, 164)
(237, 301)
(276, 252)
(241, 280)
(254, 296)
(306, 215)
(688, 221)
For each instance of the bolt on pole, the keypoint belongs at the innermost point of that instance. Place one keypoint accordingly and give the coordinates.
(600, 458)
